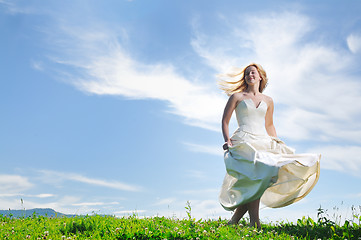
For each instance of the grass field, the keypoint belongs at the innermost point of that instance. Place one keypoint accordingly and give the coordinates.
(133, 227)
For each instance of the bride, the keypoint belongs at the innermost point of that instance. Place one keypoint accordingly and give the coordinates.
(260, 167)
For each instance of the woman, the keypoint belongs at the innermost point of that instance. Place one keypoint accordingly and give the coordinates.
(260, 167)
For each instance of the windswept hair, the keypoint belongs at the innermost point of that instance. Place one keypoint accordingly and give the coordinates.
(234, 80)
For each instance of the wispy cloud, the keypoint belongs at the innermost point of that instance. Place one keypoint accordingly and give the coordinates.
(298, 63)
(104, 67)
(41, 195)
(62, 176)
(200, 191)
(305, 74)
(12, 184)
(164, 201)
(201, 148)
(95, 203)
(37, 65)
(341, 158)
(200, 175)
(354, 43)
(13, 8)
(315, 85)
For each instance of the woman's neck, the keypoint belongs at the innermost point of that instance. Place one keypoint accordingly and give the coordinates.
(253, 89)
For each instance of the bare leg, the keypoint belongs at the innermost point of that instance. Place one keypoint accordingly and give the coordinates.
(253, 210)
(238, 214)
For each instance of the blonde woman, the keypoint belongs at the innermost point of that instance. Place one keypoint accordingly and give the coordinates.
(260, 167)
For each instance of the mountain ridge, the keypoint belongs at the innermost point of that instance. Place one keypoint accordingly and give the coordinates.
(45, 212)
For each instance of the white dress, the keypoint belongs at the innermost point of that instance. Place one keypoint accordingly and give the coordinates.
(260, 166)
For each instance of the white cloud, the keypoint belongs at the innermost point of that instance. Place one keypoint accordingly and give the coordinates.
(61, 176)
(14, 183)
(313, 84)
(213, 57)
(103, 67)
(315, 91)
(12, 8)
(301, 124)
(305, 76)
(164, 201)
(304, 73)
(210, 191)
(43, 195)
(10, 204)
(94, 204)
(73, 205)
(200, 175)
(10, 194)
(354, 43)
(341, 158)
(37, 65)
(201, 148)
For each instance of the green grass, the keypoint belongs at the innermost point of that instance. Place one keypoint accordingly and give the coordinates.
(133, 227)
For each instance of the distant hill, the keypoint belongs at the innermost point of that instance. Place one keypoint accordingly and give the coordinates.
(45, 212)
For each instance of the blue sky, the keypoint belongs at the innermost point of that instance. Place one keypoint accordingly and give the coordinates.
(112, 107)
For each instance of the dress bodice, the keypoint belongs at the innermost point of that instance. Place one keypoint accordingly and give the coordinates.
(251, 118)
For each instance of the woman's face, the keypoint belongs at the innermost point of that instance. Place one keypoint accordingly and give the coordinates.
(251, 75)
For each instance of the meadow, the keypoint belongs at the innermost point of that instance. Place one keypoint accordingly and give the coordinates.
(134, 227)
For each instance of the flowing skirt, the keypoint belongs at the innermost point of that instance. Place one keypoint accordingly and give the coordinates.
(260, 166)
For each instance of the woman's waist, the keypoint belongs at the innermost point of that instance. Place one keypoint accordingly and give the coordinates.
(250, 129)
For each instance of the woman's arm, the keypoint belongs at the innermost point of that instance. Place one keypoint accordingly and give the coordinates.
(227, 114)
(270, 128)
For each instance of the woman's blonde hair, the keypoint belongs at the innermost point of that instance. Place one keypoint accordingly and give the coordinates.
(237, 81)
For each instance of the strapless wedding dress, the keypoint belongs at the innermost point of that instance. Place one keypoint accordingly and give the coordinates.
(260, 166)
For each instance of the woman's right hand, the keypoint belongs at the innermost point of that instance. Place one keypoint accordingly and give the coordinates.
(227, 144)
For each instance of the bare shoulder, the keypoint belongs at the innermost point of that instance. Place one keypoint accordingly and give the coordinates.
(237, 97)
(268, 100)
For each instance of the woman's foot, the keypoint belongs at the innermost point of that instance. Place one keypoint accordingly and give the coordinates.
(232, 222)
(238, 214)
(256, 225)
